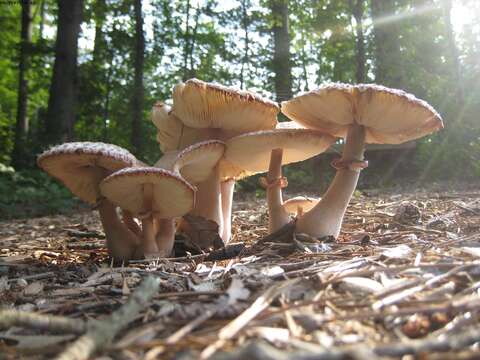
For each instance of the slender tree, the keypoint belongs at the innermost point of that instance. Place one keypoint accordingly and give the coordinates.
(138, 90)
(281, 55)
(388, 60)
(62, 99)
(453, 50)
(357, 11)
(19, 154)
(246, 41)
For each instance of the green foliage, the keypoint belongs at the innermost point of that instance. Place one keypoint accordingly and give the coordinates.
(32, 193)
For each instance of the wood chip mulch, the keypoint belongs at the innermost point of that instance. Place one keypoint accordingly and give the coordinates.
(402, 280)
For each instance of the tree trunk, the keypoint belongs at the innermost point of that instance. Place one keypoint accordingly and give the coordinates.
(19, 154)
(357, 11)
(137, 99)
(191, 69)
(99, 44)
(62, 99)
(186, 45)
(388, 61)
(453, 50)
(246, 39)
(281, 55)
(42, 20)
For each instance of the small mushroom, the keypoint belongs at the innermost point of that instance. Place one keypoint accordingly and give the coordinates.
(156, 196)
(360, 114)
(198, 165)
(81, 166)
(299, 205)
(260, 151)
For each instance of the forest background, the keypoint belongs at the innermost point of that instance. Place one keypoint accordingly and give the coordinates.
(90, 70)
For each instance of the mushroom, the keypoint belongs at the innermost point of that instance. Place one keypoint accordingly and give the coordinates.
(198, 165)
(157, 196)
(81, 166)
(204, 111)
(260, 151)
(360, 114)
(299, 205)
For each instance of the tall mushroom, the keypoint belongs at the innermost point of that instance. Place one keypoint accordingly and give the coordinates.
(204, 111)
(81, 166)
(360, 114)
(260, 151)
(157, 196)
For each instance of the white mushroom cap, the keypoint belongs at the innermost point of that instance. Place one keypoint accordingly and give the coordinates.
(172, 196)
(80, 166)
(172, 133)
(197, 162)
(390, 116)
(249, 153)
(300, 202)
(204, 105)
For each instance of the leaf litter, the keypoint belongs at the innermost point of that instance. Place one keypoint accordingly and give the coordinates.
(402, 279)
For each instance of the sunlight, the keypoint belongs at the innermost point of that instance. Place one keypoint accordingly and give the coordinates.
(460, 16)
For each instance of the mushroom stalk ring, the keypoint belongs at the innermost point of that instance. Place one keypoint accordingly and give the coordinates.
(353, 165)
(266, 184)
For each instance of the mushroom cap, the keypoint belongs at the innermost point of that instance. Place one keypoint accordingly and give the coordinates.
(248, 154)
(304, 202)
(390, 116)
(205, 105)
(197, 162)
(172, 196)
(80, 166)
(172, 133)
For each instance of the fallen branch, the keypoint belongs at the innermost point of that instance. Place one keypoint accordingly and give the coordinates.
(50, 323)
(102, 332)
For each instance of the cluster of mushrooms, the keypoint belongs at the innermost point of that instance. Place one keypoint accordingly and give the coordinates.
(213, 136)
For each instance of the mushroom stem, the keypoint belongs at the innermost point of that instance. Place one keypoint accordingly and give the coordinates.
(208, 202)
(165, 236)
(148, 226)
(277, 214)
(226, 188)
(121, 241)
(326, 217)
(127, 218)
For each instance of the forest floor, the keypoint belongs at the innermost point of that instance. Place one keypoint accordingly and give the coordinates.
(403, 278)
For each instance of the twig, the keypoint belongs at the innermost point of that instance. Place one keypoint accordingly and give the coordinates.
(84, 234)
(261, 350)
(232, 328)
(185, 330)
(101, 333)
(44, 275)
(51, 323)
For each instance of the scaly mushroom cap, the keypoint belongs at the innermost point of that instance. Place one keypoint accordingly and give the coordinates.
(303, 202)
(204, 105)
(172, 133)
(172, 196)
(196, 162)
(390, 116)
(80, 166)
(249, 153)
